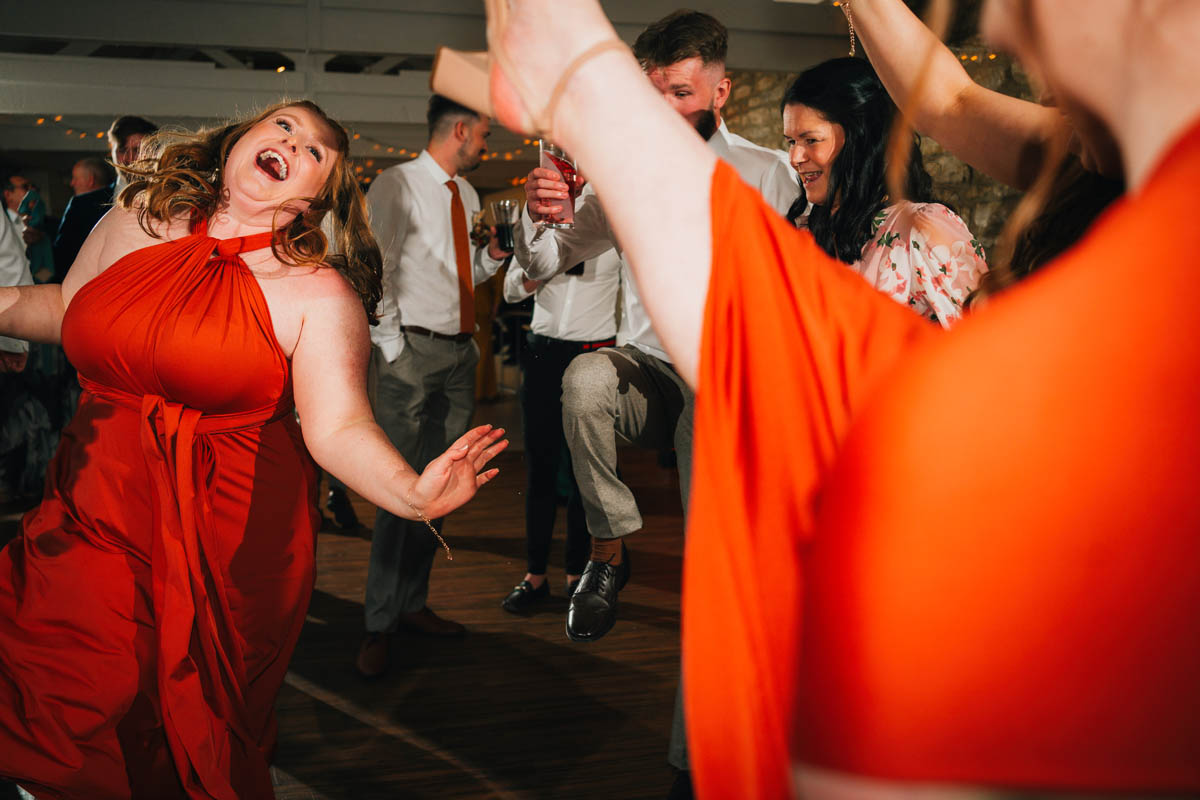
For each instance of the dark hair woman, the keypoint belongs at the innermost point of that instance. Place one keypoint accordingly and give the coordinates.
(151, 605)
(837, 117)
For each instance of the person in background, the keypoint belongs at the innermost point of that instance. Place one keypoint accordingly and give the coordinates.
(92, 183)
(125, 137)
(424, 352)
(573, 313)
(837, 119)
(25, 436)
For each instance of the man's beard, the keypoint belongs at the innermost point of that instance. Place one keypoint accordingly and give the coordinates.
(467, 160)
(706, 124)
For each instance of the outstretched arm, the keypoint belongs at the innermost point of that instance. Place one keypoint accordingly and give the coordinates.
(1000, 135)
(33, 313)
(329, 376)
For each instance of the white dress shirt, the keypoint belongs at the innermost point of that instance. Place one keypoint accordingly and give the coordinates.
(409, 206)
(14, 271)
(544, 252)
(576, 308)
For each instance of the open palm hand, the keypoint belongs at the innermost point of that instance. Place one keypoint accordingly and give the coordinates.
(451, 479)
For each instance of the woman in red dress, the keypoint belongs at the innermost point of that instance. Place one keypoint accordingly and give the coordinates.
(920, 560)
(150, 607)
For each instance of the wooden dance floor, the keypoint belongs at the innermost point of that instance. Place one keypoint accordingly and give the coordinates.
(512, 710)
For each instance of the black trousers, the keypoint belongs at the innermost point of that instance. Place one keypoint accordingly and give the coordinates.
(544, 360)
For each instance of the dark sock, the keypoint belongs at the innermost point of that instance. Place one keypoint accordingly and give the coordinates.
(608, 550)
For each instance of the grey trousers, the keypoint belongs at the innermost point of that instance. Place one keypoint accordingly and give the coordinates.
(423, 401)
(624, 391)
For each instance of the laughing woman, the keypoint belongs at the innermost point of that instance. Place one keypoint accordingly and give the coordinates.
(836, 120)
(150, 607)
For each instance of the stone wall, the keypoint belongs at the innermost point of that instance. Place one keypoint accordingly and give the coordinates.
(753, 112)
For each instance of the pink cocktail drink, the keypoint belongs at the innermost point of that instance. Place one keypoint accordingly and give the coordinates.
(554, 159)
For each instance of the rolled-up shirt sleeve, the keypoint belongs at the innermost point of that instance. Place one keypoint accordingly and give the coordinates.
(545, 252)
(514, 284)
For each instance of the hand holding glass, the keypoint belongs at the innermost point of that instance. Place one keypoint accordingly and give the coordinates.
(554, 159)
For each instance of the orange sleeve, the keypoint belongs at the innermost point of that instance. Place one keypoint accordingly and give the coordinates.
(1014, 603)
(793, 342)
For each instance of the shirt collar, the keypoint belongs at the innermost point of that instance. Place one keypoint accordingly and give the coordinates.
(435, 169)
(719, 141)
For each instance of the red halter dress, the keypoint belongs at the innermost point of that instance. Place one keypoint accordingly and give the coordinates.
(150, 607)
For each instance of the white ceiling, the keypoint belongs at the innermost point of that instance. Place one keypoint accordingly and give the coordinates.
(181, 62)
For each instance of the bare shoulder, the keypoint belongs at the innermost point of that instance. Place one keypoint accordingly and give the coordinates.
(117, 234)
(325, 292)
(121, 233)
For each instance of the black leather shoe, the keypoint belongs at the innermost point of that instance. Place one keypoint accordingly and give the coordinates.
(343, 513)
(524, 597)
(593, 608)
(572, 586)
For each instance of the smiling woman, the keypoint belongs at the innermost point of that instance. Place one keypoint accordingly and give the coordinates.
(186, 179)
(150, 607)
(836, 120)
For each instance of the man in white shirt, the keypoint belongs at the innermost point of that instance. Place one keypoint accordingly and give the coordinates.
(632, 390)
(14, 271)
(574, 312)
(424, 354)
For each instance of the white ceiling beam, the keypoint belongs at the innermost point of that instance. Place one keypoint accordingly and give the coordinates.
(223, 58)
(383, 65)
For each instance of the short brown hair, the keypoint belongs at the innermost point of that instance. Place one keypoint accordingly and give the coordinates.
(124, 127)
(681, 35)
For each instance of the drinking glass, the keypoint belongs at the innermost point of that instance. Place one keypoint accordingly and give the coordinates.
(504, 212)
(553, 158)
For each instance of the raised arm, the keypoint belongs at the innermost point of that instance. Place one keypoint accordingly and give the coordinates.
(329, 376)
(997, 134)
(649, 168)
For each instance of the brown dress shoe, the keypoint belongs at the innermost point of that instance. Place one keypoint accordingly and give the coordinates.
(427, 623)
(372, 658)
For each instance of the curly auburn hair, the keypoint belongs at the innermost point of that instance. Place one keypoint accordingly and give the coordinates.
(185, 180)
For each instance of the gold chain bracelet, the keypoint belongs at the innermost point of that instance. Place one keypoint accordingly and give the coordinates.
(428, 524)
(850, 21)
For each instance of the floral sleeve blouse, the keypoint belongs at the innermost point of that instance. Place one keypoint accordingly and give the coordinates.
(922, 255)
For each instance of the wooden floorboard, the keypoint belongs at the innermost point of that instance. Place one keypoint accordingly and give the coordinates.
(511, 710)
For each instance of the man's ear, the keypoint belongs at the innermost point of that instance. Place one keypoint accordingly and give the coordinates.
(721, 93)
(462, 130)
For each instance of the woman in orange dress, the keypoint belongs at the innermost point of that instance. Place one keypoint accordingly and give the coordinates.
(151, 604)
(986, 538)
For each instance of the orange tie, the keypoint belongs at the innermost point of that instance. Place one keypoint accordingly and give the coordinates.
(462, 254)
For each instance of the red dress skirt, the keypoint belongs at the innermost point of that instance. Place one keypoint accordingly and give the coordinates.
(151, 604)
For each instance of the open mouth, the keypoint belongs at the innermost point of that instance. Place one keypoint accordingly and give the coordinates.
(809, 178)
(273, 164)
